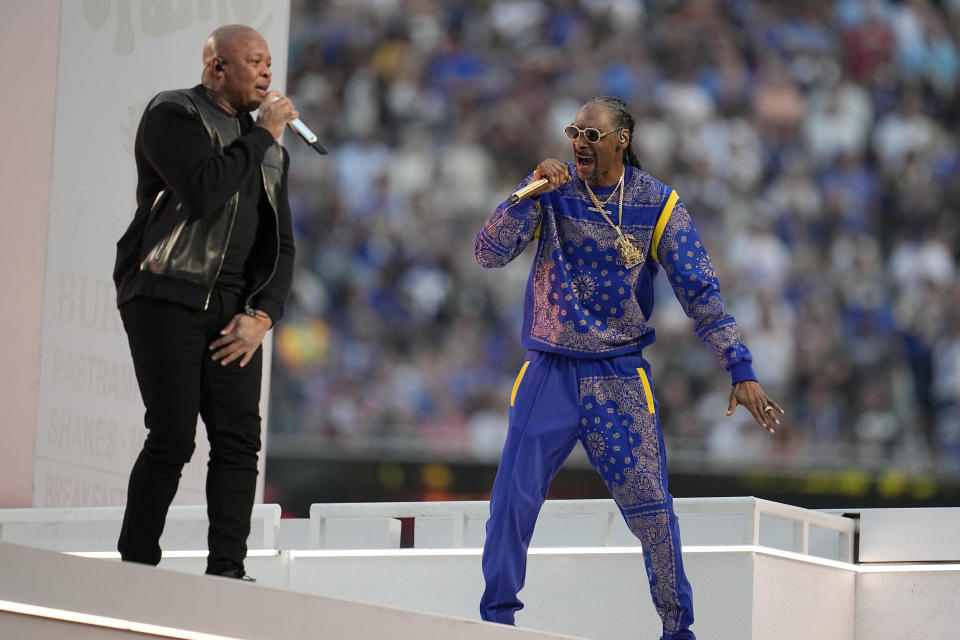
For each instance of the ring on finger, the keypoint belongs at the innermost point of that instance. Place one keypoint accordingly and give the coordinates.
(768, 408)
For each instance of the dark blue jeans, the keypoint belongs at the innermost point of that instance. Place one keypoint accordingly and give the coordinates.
(178, 381)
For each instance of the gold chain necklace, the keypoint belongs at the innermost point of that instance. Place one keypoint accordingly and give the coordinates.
(629, 254)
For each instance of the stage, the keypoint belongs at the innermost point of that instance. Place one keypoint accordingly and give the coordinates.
(759, 570)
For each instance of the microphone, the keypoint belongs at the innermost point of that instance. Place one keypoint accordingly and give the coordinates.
(304, 131)
(523, 192)
(308, 136)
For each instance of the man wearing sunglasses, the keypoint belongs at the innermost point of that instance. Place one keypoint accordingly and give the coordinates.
(604, 228)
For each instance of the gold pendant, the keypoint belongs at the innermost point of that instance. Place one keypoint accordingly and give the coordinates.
(628, 251)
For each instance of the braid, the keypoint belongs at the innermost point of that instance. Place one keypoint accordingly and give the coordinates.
(622, 118)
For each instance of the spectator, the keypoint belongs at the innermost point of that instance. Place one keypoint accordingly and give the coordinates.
(822, 134)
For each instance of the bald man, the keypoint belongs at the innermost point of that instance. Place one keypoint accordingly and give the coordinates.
(202, 273)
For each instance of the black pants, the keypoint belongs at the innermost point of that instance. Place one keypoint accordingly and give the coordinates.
(179, 381)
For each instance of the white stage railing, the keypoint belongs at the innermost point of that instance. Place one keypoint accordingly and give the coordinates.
(449, 525)
(95, 529)
(587, 523)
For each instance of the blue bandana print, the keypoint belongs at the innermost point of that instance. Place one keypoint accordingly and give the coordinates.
(591, 294)
(581, 300)
(619, 430)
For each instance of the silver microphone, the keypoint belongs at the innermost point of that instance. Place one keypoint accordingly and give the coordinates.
(308, 136)
(304, 131)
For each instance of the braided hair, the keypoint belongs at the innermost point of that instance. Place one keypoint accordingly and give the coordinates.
(621, 118)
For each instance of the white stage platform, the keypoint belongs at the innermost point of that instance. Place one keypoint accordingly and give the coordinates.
(760, 571)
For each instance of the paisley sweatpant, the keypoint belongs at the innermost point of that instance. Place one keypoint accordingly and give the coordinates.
(608, 405)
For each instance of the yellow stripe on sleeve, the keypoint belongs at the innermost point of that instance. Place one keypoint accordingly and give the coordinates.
(662, 223)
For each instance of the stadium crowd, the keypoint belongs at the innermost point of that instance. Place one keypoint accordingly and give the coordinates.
(814, 143)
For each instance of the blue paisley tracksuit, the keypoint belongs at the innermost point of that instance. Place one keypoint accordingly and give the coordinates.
(585, 379)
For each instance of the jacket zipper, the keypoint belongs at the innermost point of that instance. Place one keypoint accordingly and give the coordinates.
(276, 254)
(223, 255)
(223, 252)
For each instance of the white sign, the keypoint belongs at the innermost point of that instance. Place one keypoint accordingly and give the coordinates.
(114, 57)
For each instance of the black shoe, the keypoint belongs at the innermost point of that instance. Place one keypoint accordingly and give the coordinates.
(236, 574)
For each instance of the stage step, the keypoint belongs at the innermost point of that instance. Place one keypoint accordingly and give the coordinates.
(46, 595)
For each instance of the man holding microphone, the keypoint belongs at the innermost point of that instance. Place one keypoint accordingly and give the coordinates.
(602, 229)
(202, 273)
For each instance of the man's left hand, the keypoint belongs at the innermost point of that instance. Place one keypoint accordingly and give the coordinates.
(240, 339)
(762, 407)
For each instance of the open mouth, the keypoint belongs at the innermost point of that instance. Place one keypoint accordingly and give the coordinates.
(585, 161)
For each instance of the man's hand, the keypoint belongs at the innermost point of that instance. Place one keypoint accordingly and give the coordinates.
(240, 339)
(762, 407)
(275, 112)
(554, 171)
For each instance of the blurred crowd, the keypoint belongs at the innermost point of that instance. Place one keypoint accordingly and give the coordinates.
(814, 143)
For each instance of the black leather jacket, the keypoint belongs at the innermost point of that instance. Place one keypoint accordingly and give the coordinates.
(187, 196)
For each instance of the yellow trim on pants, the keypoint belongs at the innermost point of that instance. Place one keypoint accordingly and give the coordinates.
(647, 391)
(516, 384)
